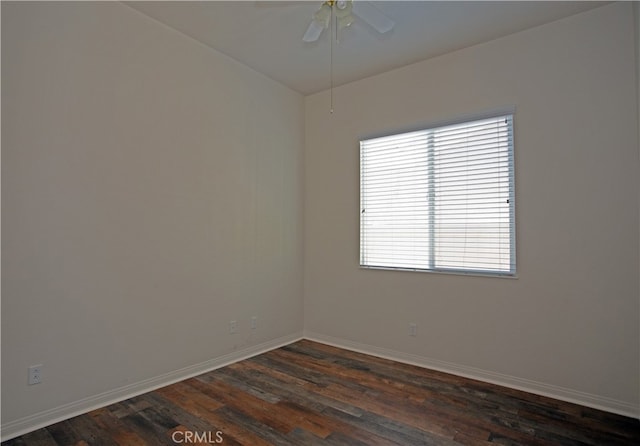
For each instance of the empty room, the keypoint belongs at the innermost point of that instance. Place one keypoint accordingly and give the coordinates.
(320, 223)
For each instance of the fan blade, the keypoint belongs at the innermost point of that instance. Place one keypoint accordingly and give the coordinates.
(370, 14)
(313, 32)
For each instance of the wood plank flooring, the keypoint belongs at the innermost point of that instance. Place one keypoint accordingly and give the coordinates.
(313, 394)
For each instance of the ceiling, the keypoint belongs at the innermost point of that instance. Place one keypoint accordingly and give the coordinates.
(267, 35)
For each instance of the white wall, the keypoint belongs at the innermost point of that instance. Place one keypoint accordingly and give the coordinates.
(636, 9)
(151, 192)
(568, 326)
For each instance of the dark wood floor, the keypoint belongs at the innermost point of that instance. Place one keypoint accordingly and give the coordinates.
(312, 394)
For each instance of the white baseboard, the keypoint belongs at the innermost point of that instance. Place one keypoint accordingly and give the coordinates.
(547, 390)
(30, 423)
(45, 418)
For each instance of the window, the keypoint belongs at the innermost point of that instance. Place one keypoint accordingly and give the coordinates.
(440, 199)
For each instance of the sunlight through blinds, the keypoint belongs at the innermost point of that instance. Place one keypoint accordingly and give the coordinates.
(440, 199)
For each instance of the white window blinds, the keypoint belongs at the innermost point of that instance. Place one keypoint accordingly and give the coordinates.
(440, 199)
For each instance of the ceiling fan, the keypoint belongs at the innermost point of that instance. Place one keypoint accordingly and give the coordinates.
(346, 11)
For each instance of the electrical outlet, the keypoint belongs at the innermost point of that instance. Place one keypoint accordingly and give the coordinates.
(413, 329)
(35, 374)
(254, 322)
(233, 326)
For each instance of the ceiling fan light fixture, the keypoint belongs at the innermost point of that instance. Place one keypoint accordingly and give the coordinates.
(346, 13)
(343, 14)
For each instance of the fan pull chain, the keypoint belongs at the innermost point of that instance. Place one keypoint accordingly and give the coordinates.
(331, 62)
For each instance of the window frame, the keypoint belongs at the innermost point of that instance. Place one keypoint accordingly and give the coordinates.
(512, 271)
